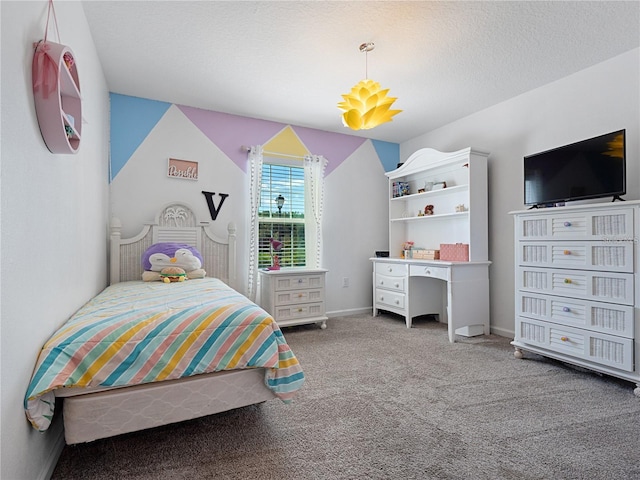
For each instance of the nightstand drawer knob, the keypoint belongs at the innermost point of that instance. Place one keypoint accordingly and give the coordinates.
(564, 339)
(567, 252)
(428, 272)
(567, 280)
(397, 285)
(300, 295)
(397, 302)
(299, 310)
(567, 224)
(566, 309)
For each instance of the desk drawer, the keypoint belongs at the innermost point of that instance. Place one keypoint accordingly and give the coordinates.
(391, 269)
(389, 298)
(429, 271)
(391, 283)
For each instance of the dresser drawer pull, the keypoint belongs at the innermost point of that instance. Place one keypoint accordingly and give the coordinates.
(567, 280)
(300, 295)
(381, 282)
(567, 224)
(567, 252)
(397, 302)
(381, 298)
(299, 310)
(564, 339)
(566, 309)
(391, 269)
(397, 285)
(300, 280)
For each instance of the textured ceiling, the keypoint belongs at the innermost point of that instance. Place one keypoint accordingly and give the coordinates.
(291, 61)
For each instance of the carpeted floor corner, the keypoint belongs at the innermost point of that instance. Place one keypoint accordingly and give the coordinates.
(382, 401)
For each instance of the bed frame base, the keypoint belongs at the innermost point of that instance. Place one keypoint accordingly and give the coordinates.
(91, 416)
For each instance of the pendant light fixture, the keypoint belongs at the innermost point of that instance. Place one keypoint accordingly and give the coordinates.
(367, 105)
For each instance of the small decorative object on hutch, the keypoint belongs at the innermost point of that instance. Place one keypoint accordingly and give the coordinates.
(56, 93)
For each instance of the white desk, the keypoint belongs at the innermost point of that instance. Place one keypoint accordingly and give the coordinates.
(458, 292)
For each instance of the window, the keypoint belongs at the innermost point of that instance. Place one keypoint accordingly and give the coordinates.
(285, 223)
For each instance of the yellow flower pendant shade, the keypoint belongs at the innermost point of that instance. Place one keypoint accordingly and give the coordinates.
(367, 105)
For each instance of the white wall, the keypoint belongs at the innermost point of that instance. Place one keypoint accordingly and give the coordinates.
(54, 221)
(597, 100)
(355, 225)
(354, 215)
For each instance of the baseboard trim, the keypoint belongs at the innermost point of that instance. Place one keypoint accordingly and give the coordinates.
(56, 430)
(502, 332)
(351, 311)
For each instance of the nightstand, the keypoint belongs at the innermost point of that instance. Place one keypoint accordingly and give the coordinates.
(294, 296)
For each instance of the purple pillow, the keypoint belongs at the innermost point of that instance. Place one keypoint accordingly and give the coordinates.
(168, 249)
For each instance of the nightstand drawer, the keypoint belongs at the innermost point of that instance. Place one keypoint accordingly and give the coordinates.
(391, 283)
(294, 297)
(299, 282)
(292, 312)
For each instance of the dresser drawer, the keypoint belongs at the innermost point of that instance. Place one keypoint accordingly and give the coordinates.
(596, 347)
(391, 283)
(590, 285)
(429, 271)
(292, 312)
(612, 256)
(390, 299)
(391, 269)
(298, 282)
(294, 297)
(601, 317)
(614, 224)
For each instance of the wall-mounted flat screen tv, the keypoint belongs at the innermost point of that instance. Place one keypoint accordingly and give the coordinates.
(591, 168)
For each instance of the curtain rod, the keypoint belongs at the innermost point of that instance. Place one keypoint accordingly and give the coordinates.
(244, 147)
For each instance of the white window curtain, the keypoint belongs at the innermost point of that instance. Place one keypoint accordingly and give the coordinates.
(255, 172)
(314, 166)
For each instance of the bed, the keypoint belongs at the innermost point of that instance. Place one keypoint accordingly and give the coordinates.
(147, 353)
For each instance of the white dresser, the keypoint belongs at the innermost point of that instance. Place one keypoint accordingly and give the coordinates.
(577, 286)
(294, 296)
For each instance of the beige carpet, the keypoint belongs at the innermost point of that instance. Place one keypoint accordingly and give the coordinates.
(385, 402)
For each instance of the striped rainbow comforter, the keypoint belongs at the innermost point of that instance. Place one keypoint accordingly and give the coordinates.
(140, 332)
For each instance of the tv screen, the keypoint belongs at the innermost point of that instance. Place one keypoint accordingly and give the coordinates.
(592, 168)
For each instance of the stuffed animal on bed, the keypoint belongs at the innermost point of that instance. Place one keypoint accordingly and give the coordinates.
(169, 254)
(173, 274)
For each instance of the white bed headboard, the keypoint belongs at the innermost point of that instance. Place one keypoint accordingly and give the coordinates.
(176, 222)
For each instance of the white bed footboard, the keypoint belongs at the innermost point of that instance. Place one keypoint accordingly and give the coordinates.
(176, 222)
